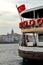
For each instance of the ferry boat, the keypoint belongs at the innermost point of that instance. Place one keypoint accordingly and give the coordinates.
(31, 46)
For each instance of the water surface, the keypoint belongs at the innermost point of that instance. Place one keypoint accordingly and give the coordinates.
(9, 56)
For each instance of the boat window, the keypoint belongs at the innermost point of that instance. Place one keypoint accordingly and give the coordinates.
(30, 37)
(40, 36)
(27, 38)
(30, 14)
(39, 13)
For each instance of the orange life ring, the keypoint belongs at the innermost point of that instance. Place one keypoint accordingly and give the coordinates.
(32, 23)
(39, 21)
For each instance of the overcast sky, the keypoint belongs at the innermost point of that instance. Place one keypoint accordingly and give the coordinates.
(9, 17)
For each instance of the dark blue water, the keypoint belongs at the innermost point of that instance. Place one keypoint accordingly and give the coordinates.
(9, 56)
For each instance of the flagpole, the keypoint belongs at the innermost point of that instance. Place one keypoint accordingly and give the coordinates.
(21, 21)
(19, 15)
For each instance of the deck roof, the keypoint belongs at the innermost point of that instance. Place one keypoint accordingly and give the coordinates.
(29, 13)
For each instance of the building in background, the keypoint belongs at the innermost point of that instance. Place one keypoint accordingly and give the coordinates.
(9, 38)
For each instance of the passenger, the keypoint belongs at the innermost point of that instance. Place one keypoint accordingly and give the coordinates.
(27, 40)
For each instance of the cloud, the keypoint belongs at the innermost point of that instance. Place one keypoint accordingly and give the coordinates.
(9, 21)
(9, 17)
(7, 6)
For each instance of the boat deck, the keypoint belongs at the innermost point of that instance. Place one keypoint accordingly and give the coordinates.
(33, 49)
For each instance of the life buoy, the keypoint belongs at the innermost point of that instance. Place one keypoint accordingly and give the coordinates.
(42, 20)
(25, 23)
(32, 23)
(20, 24)
(39, 21)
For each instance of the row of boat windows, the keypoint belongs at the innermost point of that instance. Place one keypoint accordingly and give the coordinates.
(38, 13)
(31, 38)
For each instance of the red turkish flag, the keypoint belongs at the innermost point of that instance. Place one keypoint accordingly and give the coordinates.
(21, 8)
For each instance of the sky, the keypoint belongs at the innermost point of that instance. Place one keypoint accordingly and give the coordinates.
(9, 17)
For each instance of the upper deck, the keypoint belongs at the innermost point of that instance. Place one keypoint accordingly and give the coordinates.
(33, 14)
(36, 12)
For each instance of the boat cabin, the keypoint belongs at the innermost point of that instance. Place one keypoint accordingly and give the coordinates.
(32, 30)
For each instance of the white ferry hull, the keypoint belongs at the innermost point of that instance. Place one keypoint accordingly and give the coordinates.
(31, 52)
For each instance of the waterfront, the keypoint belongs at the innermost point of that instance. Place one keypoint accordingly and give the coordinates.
(9, 56)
